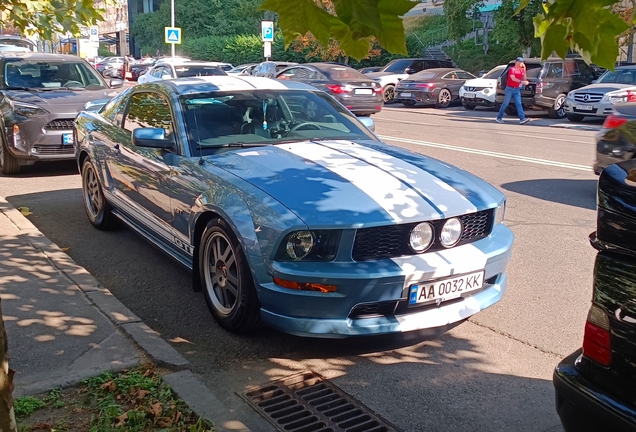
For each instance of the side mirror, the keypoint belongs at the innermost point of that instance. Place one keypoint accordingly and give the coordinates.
(152, 138)
(116, 83)
(368, 123)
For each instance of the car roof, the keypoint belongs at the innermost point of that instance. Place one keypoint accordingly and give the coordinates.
(187, 63)
(204, 84)
(442, 70)
(39, 56)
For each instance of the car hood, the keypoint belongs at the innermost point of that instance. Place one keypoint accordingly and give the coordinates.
(353, 185)
(62, 101)
(481, 82)
(601, 88)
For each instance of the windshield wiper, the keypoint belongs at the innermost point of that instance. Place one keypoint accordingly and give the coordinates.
(22, 88)
(233, 144)
(73, 88)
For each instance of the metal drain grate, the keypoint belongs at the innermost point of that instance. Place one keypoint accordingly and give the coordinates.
(307, 402)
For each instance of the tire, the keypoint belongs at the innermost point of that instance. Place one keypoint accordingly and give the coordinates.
(497, 106)
(98, 210)
(469, 106)
(557, 111)
(233, 304)
(444, 98)
(575, 118)
(408, 103)
(388, 93)
(8, 163)
(511, 111)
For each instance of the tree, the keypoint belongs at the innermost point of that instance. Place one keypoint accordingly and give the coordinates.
(460, 15)
(46, 17)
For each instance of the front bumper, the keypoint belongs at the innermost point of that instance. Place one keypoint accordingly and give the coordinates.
(483, 97)
(41, 138)
(423, 97)
(381, 288)
(583, 406)
(598, 109)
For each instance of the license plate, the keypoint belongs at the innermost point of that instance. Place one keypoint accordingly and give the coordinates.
(585, 107)
(405, 94)
(445, 289)
(67, 139)
(363, 91)
(469, 95)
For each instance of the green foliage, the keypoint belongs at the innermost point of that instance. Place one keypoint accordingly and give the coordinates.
(472, 58)
(515, 32)
(352, 23)
(25, 406)
(460, 15)
(46, 17)
(588, 27)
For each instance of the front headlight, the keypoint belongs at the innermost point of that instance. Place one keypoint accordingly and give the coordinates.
(570, 96)
(26, 109)
(421, 237)
(462, 88)
(500, 212)
(451, 232)
(319, 245)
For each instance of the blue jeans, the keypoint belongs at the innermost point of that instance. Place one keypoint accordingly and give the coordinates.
(514, 94)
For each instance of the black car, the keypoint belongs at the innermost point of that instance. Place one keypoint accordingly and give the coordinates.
(270, 69)
(40, 96)
(616, 141)
(439, 87)
(595, 386)
(550, 82)
(360, 94)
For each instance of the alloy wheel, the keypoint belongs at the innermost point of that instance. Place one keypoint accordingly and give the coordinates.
(93, 197)
(444, 98)
(221, 273)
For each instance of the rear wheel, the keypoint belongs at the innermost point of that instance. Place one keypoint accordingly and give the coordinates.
(511, 111)
(444, 98)
(226, 279)
(576, 118)
(408, 103)
(388, 93)
(8, 163)
(557, 110)
(98, 210)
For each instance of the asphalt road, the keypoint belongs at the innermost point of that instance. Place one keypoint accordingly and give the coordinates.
(491, 373)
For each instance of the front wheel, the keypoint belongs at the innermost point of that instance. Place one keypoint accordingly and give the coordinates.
(388, 93)
(8, 163)
(226, 279)
(97, 208)
(557, 111)
(444, 98)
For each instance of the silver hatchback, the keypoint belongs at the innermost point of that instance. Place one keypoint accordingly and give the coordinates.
(593, 100)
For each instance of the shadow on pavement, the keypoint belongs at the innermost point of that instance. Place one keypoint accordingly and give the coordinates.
(49, 169)
(576, 193)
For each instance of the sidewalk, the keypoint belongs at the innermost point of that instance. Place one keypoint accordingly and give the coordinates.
(63, 327)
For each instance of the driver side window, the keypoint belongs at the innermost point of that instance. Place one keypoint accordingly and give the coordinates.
(147, 109)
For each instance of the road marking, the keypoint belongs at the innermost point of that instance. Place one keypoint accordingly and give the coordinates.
(500, 133)
(489, 153)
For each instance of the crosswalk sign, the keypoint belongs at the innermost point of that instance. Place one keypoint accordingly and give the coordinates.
(173, 35)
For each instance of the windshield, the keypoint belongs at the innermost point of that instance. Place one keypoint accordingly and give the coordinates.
(423, 75)
(396, 66)
(265, 117)
(194, 71)
(494, 73)
(341, 72)
(40, 74)
(621, 76)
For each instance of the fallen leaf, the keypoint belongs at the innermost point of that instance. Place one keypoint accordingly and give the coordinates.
(110, 386)
(121, 419)
(66, 249)
(179, 340)
(133, 390)
(177, 416)
(164, 422)
(142, 394)
(25, 211)
(157, 409)
(118, 397)
(148, 372)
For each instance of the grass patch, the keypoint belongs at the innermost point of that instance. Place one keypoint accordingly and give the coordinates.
(135, 400)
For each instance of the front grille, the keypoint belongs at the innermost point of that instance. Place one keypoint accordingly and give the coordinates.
(588, 97)
(393, 240)
(50, 150)
(475, 89)
(60, 124)
(307, 402)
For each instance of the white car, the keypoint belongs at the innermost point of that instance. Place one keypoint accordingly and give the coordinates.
(481, 91)
(185, 68)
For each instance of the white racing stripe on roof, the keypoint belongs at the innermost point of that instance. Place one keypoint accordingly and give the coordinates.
(232, 83)
(448, 200)
(401, 202)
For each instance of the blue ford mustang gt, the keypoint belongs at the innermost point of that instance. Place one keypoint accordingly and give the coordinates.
(289, 211)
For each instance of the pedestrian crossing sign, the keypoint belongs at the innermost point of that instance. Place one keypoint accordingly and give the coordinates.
(173, 35)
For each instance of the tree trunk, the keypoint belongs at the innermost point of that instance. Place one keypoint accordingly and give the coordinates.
(7, 419)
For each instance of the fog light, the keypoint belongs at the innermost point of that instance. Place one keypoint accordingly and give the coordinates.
(421, 237)
(17, 138)
(451, 232)
(300, 244)
(304, 286)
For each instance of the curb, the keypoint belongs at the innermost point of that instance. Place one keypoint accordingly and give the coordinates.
(577, 127)
(185, 384)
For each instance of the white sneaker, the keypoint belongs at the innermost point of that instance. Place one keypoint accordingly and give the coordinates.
(499, 120)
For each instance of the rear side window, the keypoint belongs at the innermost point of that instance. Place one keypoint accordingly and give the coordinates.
(341, 72)
(532, 70)
(555, 70)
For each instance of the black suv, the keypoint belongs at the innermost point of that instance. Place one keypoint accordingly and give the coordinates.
(550, 82)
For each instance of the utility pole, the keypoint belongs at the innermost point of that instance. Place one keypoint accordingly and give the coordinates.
(172, 22)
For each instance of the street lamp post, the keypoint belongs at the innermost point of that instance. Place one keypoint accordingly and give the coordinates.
(172, 23)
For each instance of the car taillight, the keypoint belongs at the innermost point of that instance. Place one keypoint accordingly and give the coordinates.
(539, 88)
(596, 340)
(377, 90)
(614, 121)
(631, 96)
(338, 88)
(426, 85)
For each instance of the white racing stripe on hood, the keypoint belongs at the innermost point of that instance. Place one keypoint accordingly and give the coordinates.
(402, 203)
(435, 190)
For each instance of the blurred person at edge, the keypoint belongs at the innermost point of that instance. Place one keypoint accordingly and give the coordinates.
(516, 77)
